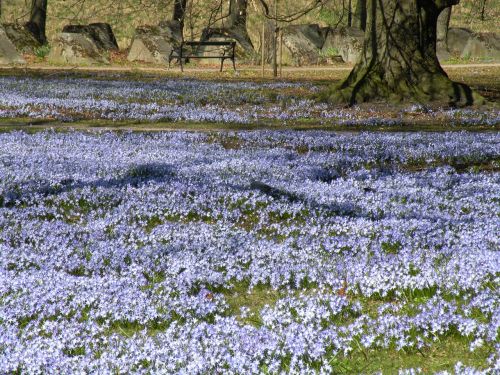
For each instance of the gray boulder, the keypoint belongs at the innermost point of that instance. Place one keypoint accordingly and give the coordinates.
(8, 53)
(171, 29)
(22, 38)
(101, 33)
(302, 44)
(346, 42)
(464, 43)
(153, 44)
(76, 48)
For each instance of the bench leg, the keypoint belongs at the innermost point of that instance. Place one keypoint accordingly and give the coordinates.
(234, 64)
(182, 66)
(221, 64)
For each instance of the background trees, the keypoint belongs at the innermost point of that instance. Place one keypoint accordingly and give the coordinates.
(399, 58)
(125, 15)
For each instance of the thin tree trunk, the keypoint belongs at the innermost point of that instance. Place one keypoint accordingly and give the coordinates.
(38, 19)
(443, 24)
(483, 9)
(179, 13)
(399, 61)
(349, 14)
(360, 15)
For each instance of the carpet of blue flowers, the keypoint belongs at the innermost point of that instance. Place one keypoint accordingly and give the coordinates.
(190, 100)
(123, 253)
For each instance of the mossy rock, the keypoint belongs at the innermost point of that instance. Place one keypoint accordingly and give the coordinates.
(77, 49)
(8, 52)
(153, 44)
(22, 38)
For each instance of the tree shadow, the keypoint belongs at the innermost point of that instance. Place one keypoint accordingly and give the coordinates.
(136, 176)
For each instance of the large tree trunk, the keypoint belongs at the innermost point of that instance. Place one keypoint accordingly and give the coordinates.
(236, 26)
(38, 19)
(399, 61)
(360, 15)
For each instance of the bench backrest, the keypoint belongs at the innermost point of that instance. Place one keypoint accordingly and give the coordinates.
(219, 43)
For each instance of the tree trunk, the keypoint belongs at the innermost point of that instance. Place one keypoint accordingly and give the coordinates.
(349, 14)
(483, 9)
(360, 15)
(443, 24)
(237, 24)
(399, 61)
(179, 13)
(38, 19)
(236, 27)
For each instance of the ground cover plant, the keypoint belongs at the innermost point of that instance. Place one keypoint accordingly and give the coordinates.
(249, 252)
(285, 104)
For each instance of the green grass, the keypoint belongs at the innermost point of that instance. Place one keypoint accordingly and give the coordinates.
(254, 299)
(34, 126)
(441, 356)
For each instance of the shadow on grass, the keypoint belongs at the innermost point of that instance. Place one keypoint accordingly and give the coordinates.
(135, 176)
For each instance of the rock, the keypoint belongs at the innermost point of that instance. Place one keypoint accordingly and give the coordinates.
(302, 44)
(483, 46)
(76, 48)
(464, 43)
(101, 33)
(8, 52)
(334, 59)
(22, 38)
(442, 53)
(211, 51)
(153, 44)
(313, 33)
(346, 42)
(457, 40)
(172, 30)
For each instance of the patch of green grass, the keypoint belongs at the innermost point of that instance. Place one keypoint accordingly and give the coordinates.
(442, 355)
(391, 247)
(484, 163)
(74, 352)
(42, 51)
(254, 299)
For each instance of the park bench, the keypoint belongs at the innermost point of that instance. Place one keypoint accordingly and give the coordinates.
(189, 50)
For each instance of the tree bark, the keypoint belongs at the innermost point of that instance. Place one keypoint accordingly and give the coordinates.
(349, 14)
(483, 9)
(360, 15)
(399, 61)
(179, 13)
(236, 26)
(38, 19)
(443, 24)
